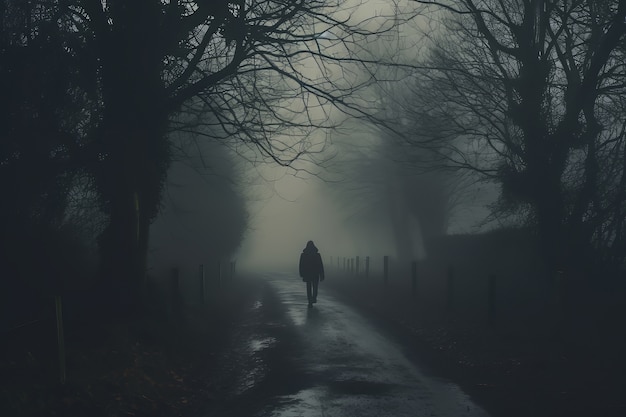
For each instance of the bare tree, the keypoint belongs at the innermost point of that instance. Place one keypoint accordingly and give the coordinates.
(378, 174)
(265, 71)
(524, 92)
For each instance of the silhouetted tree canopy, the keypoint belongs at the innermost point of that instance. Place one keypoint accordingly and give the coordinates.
(43, 121)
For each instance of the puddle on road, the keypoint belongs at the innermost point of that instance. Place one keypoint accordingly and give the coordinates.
(254, 375)
(358, 371)
(305, 403)
(257, 345)
(359, 387)
(253, 367)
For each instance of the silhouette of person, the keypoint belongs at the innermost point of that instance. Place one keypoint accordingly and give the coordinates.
(311, 270)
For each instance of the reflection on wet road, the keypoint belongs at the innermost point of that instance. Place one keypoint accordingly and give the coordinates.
(347, 368)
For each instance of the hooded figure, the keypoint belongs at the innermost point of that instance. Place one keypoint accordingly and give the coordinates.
(311, 270)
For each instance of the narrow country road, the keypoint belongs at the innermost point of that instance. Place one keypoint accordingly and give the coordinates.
(288, 360)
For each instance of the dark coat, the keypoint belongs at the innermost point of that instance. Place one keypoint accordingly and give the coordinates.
(311, 267)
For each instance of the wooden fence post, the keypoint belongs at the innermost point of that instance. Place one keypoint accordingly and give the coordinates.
(491, 300)
(174, 292)
(385, 268)
(414, 278)
(561, 300)
(60, 338)
(450, 289)
(367, 266)
(232, 269)
(201, 277)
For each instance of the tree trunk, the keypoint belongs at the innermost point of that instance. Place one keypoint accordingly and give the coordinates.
(132, 144)
(121, 247)
(129, 181)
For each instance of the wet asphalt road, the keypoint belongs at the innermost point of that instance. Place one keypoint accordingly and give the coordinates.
(288, 360)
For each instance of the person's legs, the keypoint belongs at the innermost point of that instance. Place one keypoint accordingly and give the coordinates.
(309, 296)
(315, 284)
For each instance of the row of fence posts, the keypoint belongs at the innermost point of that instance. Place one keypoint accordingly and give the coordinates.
(351, 266)
(58, 309)
(221, 279)
(58, 303)
(174, 291)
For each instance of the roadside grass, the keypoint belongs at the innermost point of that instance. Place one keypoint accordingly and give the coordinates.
(149, 365)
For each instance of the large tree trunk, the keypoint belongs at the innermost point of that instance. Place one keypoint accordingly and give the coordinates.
(544, 155)
(130, 181)
(132, 144)
(549, 214)
(122, 249)
(133, 166)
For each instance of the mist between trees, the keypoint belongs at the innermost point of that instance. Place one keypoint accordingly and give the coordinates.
(96, 90)
(531, 96)
(525, 98)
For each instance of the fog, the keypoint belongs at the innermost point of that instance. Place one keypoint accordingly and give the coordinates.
(359, 204)
(158, 198)
(352, 195)
(357, 197)
(203, 216)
